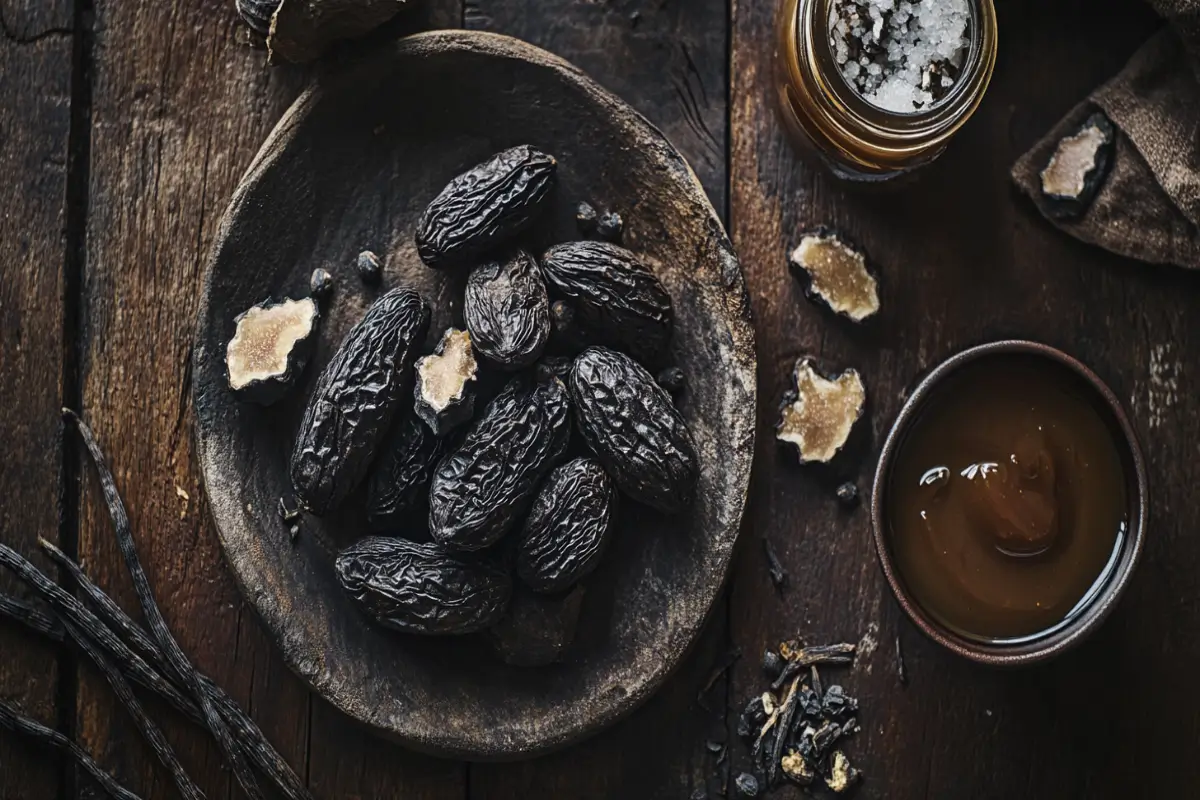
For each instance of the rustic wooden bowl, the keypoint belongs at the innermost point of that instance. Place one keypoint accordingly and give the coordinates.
(350, 167)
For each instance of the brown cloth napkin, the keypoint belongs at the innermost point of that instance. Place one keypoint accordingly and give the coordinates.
(1149, 207)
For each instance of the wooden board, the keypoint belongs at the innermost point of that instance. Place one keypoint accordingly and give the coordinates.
(965, 260)
(969, 260)
(35, 93)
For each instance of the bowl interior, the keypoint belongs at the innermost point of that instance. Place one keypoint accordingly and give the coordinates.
(1098, 602)
(351, 167)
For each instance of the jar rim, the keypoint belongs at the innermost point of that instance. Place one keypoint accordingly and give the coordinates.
(864, 133)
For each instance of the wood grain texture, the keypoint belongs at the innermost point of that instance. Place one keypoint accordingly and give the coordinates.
(35, 62)
(669, 61)
(965, 260)
(180, 105)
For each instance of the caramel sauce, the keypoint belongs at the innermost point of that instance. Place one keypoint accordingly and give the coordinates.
(1007, 502)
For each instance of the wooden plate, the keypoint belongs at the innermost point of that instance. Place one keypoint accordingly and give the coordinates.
(350, 167)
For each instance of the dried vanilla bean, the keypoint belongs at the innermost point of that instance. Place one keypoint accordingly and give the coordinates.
(174, 658)
(153, 736)
(70, 609)
(30, 617)
(251, 739)
(14, 721)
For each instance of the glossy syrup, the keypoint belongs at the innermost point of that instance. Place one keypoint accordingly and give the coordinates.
(1007, 505)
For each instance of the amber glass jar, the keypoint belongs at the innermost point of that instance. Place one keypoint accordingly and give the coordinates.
(855, 139)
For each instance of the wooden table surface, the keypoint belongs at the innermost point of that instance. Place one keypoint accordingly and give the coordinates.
(124, 127)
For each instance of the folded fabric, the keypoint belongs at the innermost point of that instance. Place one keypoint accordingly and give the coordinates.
(1149, 206)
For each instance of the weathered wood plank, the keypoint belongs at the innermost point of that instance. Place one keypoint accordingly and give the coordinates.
(35, 98)
(667, 60)
(965, 260)
(180, 105)
(670, 61)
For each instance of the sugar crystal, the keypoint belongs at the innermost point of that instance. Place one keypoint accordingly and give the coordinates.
(906, 56)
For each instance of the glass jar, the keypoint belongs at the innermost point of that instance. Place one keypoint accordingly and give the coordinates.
(855, 139)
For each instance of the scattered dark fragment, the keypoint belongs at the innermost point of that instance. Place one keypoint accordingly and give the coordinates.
(752, 718)
(775, 568)
(537, 629)
(289, 510)
(567, 336)
(482, 488)
(747, 785)
(369, 268)
(507, 311)
(420, 588)
(444, 391)
(699, 794)
(634, 18)
(842, 775)
(562, 316)
(303, 29)
(1078, 168)
(150, 732)
(851, 727)
(811, 703)
(399, 482)
(13, 720)
(250, 737)
(672, 379)
(568, 527)
(818, 415)
(320, 284)
(772, 664)
(615, 296)
(586, 217)
(270, 347)
(356, 399)
(816, 681)
(847, 495)
(176, 663)
(836, 702)
(714, 747)
(835, 274)
(257, 14)
(485, 206)
(610, 226)
(634, 429)
(901, 667)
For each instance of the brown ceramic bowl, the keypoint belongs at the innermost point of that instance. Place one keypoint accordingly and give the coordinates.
(1027, 650)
